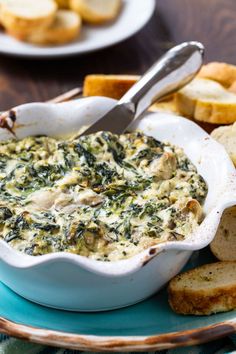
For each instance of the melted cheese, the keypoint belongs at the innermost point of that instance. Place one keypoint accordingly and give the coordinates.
(102, 196)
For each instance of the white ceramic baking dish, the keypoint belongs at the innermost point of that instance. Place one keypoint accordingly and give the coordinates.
(73, 282)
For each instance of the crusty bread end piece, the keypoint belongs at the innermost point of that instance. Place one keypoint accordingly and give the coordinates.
(224, 73)
(204, 290)
(208, 101)
(113, 86)
(96, 11)
(224, 244)
(22, 17)
(65, 28)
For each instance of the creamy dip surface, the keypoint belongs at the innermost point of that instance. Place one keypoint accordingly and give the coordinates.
(102, 196)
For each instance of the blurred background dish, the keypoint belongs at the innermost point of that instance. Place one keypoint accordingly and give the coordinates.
(134, 15)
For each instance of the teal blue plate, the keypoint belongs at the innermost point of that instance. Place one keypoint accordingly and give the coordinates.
(149, 325)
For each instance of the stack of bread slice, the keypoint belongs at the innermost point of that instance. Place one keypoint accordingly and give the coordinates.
(48, 22)
(39, 21)
(21, 17)
(210, 97)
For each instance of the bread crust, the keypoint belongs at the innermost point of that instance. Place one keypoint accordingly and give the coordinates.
(223, 113)
(188, 300)
(223, 73)
(113, 86)
(201, 303)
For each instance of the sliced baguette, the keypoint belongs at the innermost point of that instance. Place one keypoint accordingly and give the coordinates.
(113, 86)
(63, 4)
(227, 137)
(224, 73)
(204, 290)
(21, 17)
(224, 244)
(208, 101)
(96, 11)
(65, 28)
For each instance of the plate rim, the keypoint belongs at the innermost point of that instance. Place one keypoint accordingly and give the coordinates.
(75, 52)
(117, 343)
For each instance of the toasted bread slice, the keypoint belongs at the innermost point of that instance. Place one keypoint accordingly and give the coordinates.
(21, 17)
(204, 290)
(63, 4)
(113, 86)
(96, 11)
(65, 28)
(227, 137)
(208, 101)
(224, 244)
(224, 73)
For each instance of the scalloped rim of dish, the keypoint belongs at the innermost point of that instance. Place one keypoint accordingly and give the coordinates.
(18, 260)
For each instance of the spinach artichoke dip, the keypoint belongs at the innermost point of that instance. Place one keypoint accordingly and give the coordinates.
(102, 196)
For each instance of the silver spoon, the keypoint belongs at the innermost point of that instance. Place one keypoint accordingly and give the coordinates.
(172, 71)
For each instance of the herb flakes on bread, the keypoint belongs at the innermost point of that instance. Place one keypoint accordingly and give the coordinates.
(204, 290)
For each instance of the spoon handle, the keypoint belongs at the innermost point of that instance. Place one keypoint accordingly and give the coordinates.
(171, 72)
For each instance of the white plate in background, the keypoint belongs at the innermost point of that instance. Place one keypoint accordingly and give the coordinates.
(134, 15)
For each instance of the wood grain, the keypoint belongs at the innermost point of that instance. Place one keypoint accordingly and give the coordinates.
(212, 22)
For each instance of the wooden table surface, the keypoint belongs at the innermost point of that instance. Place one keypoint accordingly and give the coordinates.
(212, 22)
